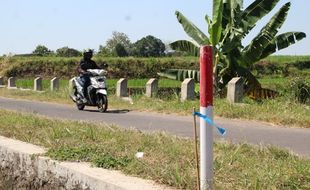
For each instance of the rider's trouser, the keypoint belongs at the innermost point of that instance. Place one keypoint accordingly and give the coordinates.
(82, 85)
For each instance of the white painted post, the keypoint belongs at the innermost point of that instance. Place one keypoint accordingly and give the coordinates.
(188, 89)
(37, 84)
(121, 88)
(71, 83)
(55, 84)
(206, 108)
(1, 81)
(151, 87)
(235, 90)
(11, 82)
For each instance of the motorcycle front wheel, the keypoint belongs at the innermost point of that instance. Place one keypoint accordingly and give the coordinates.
(103, 103)
(80, 106)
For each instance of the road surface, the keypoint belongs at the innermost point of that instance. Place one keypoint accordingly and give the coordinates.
(294, 139)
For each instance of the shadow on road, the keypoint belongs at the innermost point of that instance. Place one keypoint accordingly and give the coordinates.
(110, 111)
(118, 111)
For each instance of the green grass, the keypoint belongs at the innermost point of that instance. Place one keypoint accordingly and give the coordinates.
(167, 160)
(287, 58)
(132, 83)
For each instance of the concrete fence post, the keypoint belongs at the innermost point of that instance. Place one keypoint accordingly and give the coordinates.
(12, 82)
(37, 84)
(151, 87)
(121, 88)
(55, 84)
(71, 83)
(235, 90)
(1, 81)
(188, 89)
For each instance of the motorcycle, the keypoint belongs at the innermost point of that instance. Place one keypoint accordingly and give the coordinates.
(96, 92)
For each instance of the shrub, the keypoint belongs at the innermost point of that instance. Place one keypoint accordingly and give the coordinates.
(118, 67)
(300, 90)
(68, 52)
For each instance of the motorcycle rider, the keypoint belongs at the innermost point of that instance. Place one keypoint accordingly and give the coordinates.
(84, 79)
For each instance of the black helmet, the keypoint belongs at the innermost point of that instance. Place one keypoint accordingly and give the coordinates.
(88, 53)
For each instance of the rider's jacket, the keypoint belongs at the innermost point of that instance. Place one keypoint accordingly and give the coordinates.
(86, 64)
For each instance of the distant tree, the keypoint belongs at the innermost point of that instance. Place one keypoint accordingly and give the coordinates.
(42, 50)
(117, 38)
(149, 46)
(104, 51)
(68, 52)
(120, 51)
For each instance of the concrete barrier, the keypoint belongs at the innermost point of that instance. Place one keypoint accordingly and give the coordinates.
(55, 84)
(151, 87)
(38, 84)
(71, 83)
(235, 90)
(2, 82)
(188, 89)
(12, 83)
(121, 88)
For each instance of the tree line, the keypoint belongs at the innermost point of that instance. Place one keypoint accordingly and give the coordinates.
(119, 45)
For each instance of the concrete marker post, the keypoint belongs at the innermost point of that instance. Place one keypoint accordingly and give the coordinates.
(54, 84)
(206, 108)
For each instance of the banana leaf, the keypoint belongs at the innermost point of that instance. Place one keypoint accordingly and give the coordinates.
(253, 51)
(261, 93)
(180, 74)
(186, 46)
(231, 9)
(254, 12)
(282, 41)
(209, 22)
(169, 73)
(216, 30)
(192, 30)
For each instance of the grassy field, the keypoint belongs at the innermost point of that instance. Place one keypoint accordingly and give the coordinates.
(287, 58)
(167, 159)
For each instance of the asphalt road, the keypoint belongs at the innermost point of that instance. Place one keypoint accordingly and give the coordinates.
(295, 139)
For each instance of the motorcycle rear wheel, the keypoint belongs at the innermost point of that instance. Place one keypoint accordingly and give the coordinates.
(103, 103)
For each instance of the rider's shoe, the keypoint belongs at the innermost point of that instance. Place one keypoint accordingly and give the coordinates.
(84, 101)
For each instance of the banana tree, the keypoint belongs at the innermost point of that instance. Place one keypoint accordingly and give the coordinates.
(229, 25)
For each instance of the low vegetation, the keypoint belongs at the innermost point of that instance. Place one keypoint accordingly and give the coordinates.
(167, 159)
(132, 67)
(129, 67)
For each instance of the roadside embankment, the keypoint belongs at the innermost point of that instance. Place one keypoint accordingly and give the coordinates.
(22, 167)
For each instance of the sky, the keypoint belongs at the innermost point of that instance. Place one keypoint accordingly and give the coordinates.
(82, 24)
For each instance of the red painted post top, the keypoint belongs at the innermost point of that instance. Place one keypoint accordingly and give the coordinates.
(206, 76)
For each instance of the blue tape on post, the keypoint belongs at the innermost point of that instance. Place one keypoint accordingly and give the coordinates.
(221, 130)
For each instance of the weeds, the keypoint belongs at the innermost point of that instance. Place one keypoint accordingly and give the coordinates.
(300, 90)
